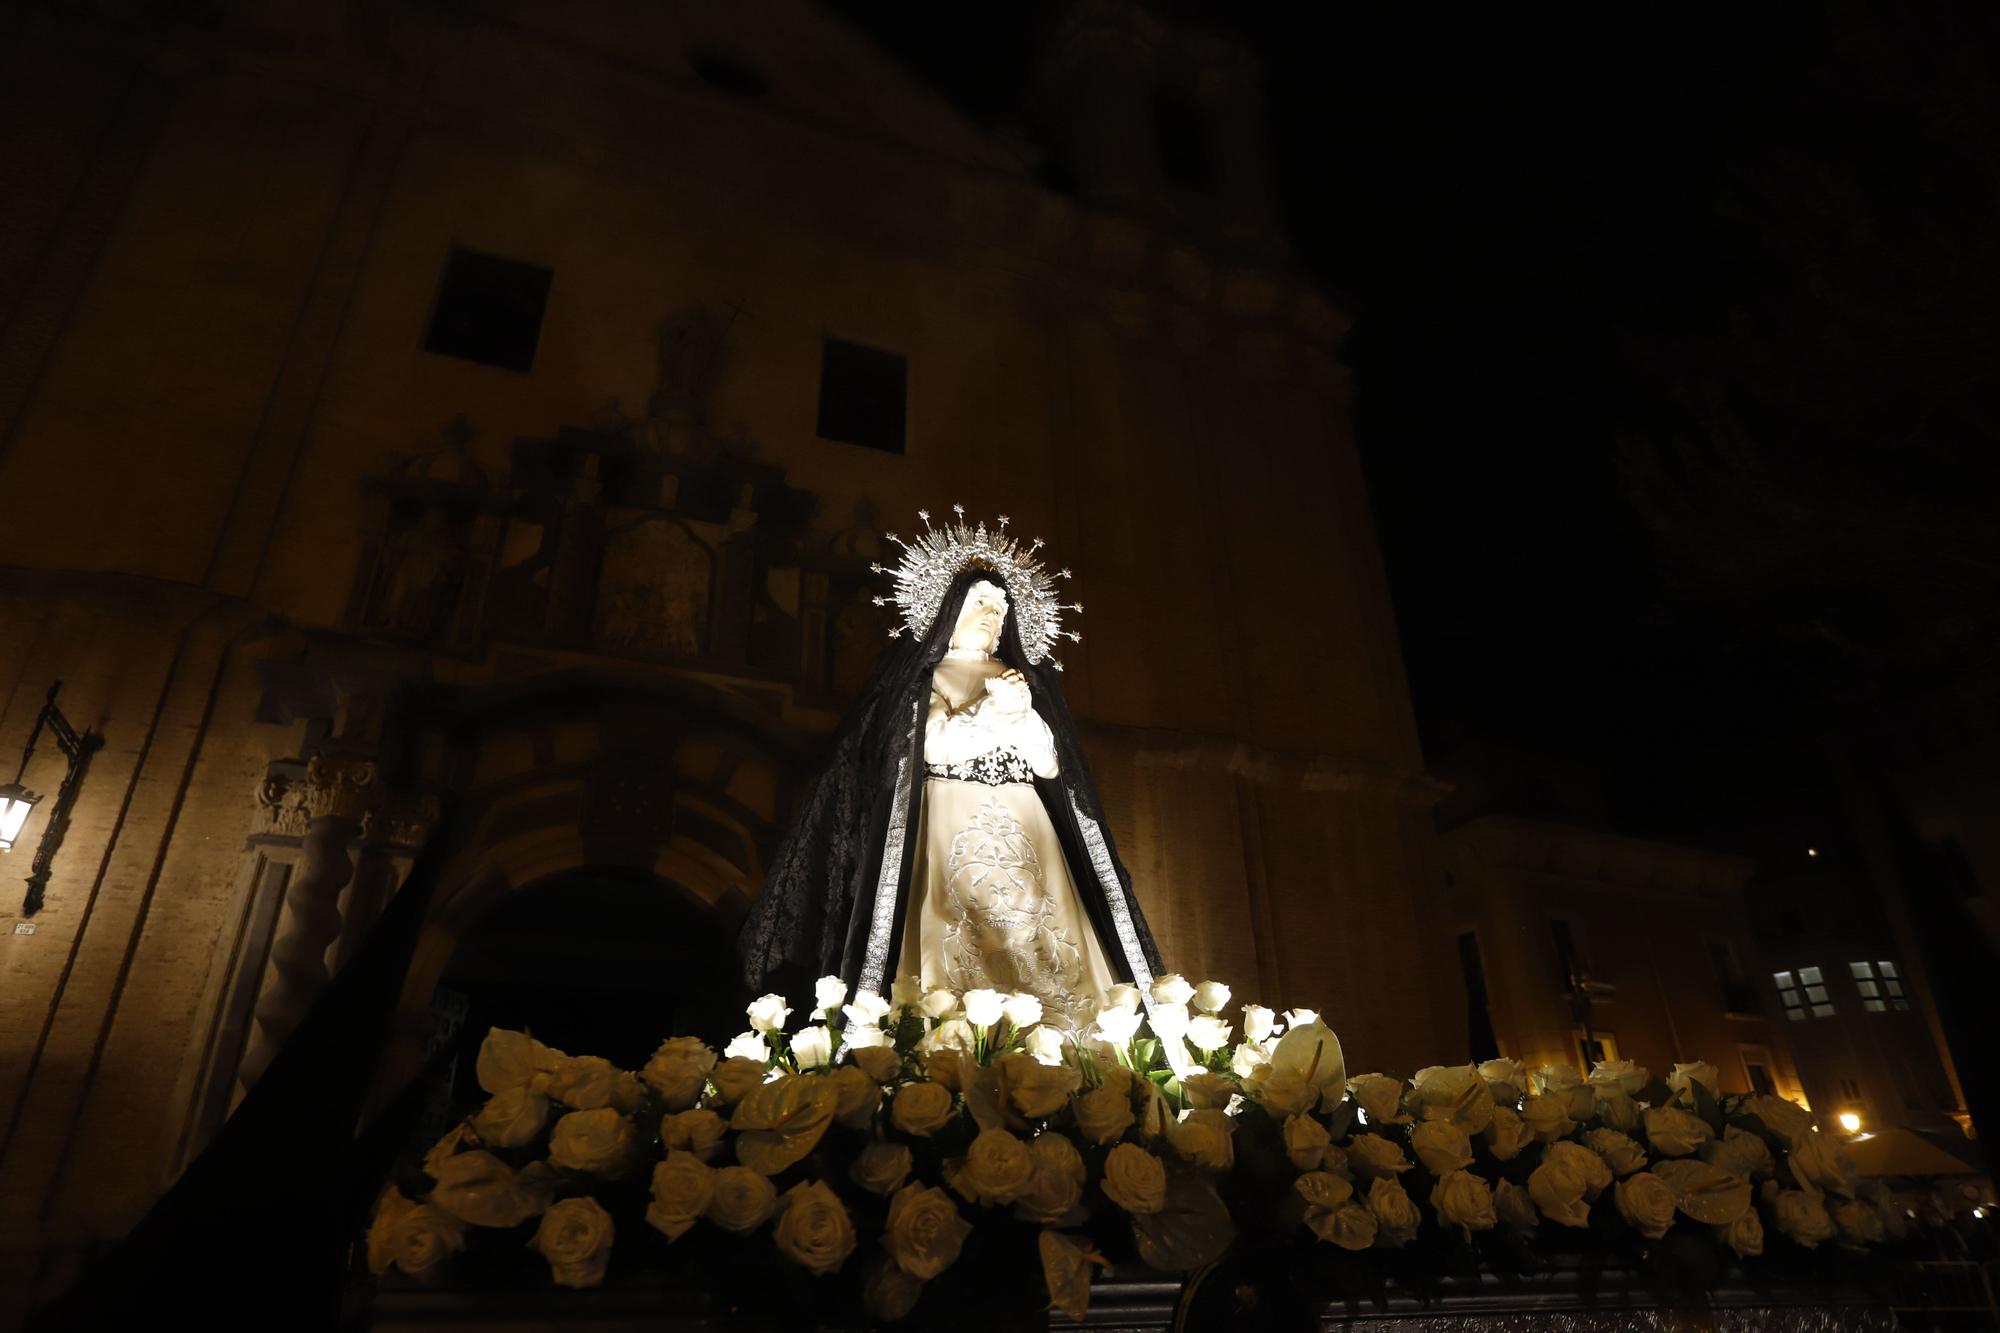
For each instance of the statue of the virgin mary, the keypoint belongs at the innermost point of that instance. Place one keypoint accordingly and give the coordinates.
(956, 836)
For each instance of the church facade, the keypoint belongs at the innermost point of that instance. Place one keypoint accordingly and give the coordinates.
(496, 409)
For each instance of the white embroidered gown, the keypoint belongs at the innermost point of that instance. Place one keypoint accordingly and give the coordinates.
(992, 902)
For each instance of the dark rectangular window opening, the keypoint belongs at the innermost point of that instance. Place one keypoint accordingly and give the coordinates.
(861, 395)
(1185, 156)
(489, 310)
(1478, 1017)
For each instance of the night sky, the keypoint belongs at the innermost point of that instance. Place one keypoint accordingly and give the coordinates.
(1675, 358)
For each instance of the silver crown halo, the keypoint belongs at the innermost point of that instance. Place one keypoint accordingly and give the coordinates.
(938, 555)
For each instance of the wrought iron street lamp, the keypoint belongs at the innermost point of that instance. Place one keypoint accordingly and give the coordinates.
(17, 802)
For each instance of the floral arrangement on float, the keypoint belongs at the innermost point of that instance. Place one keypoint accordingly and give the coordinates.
(883, 1141)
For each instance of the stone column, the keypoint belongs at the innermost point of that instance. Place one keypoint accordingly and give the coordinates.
(330, 803)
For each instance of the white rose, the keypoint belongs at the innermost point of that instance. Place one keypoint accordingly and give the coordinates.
(924, 1232)
(1395, 1214)
(1739, 1152)
(1557, 1188)
(881, 1063)
(942, 1066)
(1623, 1075)
(1505, 1071)
(996, 1168)
(1461, 1199)
(1257, 1022)
(1508, 1134)
(906, 992)
(1306, 1141)
(415, 1237)
(1745, 1235)
(1620, 1152)
(1211, 997)
(866, 1010)
(679, 1071)
(511, 1119)
(1860, 1225)
(510, 1060)
(1298, 1018)
(1117, 1024)
(983, 1007)
(575, 1237)
(584, 1082)
(683, 1186)
(1045, 1043)
(1561, 1081)
(748, 1046)
(1209, 1092)
(1374, 1156)
(1168, 1021)
(858, 1096)
(1056, 1186)
(1282, 1092)
(814, 1230)
(1647, 1203)
(813, 1048)
(954, 1034)
(1206, 1032)
(1456, 1093)
(1699, 1072)
(699, 1131)
(768, 1013)
(1035, 1089)
(600, 1142)
(1250, 1056)
(921, 1109)
(735, 1078)
(1588, 1165)
(1204, 1138)
(1675, 1133)
(881, 1168)
(1547, 1116)
(1022, 1011)
(1172, 989)
(742, 1199)
(1803, 1217)
(862, 1036)
(1123, 995)
(1135, 1180)
(1441, 1146)
(939, 1003)
(1104, 1114)
(1379, 1097)
(828, 993)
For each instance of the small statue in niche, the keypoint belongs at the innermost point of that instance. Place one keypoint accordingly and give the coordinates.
(693, 352)
(422, 569)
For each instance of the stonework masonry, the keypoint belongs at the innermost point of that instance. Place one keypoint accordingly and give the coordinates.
(259, 532)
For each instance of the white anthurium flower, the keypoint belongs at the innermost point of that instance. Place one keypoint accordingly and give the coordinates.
(866, 1010)
(1298, 1018)
(828, 993)
(768, 1013)
(748, 1046)
(1172, 988)
(1257, 1022)
(1249, 1056)
(1311, 1051)
(813, 1048)
(983, 1007)
(1117, 1025)
(1022, 1010)
(1206, 1032)
(1211, 997)
(862, 1036)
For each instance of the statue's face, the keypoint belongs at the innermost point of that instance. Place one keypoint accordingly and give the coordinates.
(980, 619)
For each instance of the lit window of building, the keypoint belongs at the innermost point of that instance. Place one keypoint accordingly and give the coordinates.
(1880, 986)
(1805, 995)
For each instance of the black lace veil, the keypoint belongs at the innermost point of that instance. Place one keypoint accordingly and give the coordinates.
(814, 914)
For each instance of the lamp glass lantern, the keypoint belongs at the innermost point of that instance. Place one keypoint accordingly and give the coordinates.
(16, 803)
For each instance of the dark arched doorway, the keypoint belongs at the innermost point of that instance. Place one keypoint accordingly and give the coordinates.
(594, 961)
